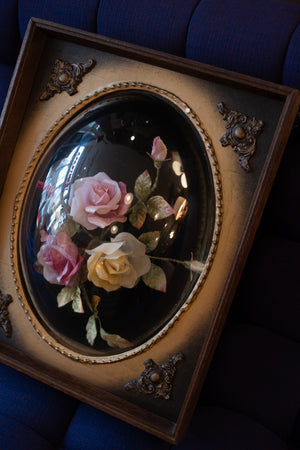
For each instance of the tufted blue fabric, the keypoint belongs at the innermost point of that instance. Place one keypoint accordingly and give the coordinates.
(281, 210)
(6, 72)
(280, 310)
(75, 13)
(153, 23)
(34, 405)
(291, 73)
(256, 372)
(92, 429)
(225, 429)
(17, 436)
(242, 35)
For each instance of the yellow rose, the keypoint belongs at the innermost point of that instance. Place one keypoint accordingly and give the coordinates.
(119, 263)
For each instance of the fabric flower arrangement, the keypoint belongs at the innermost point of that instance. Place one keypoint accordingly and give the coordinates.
(99, 203)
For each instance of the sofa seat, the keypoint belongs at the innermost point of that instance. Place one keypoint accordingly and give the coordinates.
(32, 414)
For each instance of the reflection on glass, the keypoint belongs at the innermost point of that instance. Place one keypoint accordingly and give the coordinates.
(121, 219)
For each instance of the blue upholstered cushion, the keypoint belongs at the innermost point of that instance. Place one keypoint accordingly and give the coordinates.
(152, 23)
(17, 436)
(216, 428)
(282, 214)
(249, 36)
(75, 13)
(34, 405)
(291, 73)
(256, 372)
(6, 72)
(9, 31)
(92, 429)
(265, 297)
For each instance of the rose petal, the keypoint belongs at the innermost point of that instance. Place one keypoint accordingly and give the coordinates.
(142, 265)
(103, 222)
(107, 248)
(159, 150)
(123, 207)
(131, 245)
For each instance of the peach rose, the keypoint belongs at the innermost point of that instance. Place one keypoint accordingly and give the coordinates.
(118, 263)
(98, 201)
(59, 258)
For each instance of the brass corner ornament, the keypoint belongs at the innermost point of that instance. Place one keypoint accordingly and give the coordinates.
(5, 323)
(156, 380)
(241, 132)
(66, 77)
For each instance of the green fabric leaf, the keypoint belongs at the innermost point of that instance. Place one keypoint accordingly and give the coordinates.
(70, 294)
(142, 187)
(69, 226)
(114, 340)
(76, 301)
(91, 330)
(138, 215)
(65, 296)
(150, 240)
(156, 278)
(158, 208)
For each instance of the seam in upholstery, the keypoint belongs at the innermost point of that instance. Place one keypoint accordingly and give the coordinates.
(62, 441)
(188, 26)
(287, 49)
(30, 428)
(96, 18)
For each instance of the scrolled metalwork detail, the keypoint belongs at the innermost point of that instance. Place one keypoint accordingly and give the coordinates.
(156, 380)
(66, 76)
(5, 323)
(241, 133)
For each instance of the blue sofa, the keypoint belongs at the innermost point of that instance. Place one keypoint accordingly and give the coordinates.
(251, 398)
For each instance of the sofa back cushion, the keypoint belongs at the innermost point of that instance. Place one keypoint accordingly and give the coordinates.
(250, 37)
(75, 13)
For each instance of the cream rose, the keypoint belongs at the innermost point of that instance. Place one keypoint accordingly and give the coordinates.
(118, 263)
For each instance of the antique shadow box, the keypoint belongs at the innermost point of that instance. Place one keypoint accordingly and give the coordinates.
(132, 184)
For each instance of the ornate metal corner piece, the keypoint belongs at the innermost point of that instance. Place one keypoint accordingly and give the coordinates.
(156, 380)
(241, 132)
(66, 77)
(5, 323)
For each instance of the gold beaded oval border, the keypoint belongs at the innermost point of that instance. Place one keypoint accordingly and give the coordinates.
(72, 112)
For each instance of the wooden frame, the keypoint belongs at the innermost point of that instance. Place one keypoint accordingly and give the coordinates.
(242, 199)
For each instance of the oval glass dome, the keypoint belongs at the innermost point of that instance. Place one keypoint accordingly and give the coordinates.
(118, 222)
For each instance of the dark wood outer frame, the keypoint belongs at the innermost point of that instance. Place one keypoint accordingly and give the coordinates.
(10, 123)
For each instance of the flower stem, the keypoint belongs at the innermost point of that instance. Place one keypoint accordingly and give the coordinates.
(154, 186)
(192, 265)
(161, 258)
(86, 297)
(87, 232)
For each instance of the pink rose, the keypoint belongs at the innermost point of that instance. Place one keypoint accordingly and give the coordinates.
(59, 258)
(98, 201)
